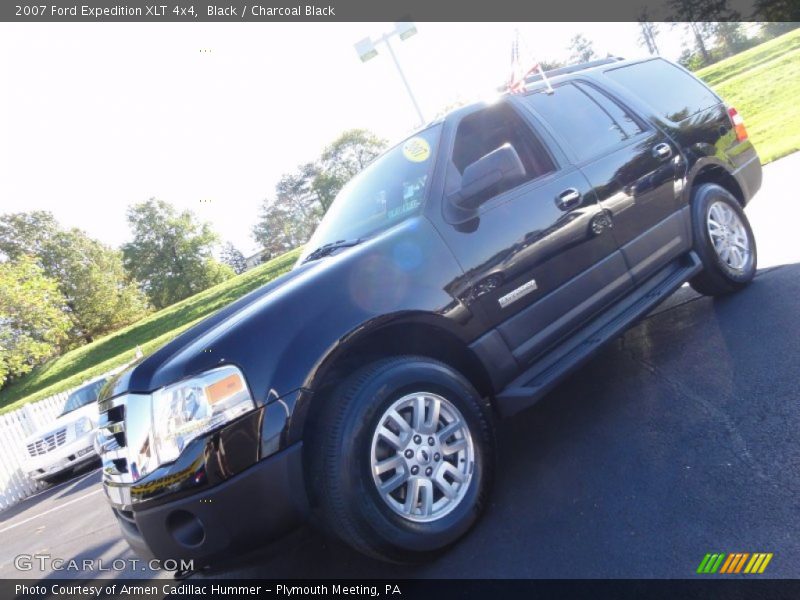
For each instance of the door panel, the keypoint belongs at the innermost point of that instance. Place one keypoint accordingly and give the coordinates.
(583, 295)
(520, 255)
(641, 191)
(635, 170)
(538, 258)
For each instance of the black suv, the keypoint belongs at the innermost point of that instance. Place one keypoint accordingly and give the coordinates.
(456, 279)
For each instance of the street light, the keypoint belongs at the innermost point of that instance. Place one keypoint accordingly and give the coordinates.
(366, 50)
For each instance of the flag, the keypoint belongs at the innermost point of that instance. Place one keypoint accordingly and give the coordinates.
(516, 83)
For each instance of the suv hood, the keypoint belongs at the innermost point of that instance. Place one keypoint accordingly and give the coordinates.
(278, 332)
(151, 372)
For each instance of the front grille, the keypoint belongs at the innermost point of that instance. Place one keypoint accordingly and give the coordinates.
(115, 418)
(112, 440)
(124, 438)
(48, 443)
(111, 437)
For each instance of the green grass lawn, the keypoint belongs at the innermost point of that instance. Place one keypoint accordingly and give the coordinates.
(153, 331)
(763, 83)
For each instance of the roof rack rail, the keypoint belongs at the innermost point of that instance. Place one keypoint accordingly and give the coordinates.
(573, 68)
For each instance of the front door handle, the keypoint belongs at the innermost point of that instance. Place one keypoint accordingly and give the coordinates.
(569, 198)
(662, 151)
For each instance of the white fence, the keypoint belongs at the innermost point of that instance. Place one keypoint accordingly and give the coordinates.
(15, 426)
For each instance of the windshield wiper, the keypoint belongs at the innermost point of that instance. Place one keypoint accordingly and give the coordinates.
(330, 248)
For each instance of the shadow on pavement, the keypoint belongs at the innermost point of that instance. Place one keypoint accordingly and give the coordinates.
(78, 482)
(81, 481)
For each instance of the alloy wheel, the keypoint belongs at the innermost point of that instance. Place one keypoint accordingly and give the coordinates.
(729, 236)
(422, 457)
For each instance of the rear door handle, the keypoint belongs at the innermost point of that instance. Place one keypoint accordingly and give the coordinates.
(662, 151)
(569, 198)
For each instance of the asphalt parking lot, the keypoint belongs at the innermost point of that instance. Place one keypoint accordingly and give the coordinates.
(678, 439)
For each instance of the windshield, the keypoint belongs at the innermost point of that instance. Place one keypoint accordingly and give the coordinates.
(83, 396)
(389, 190)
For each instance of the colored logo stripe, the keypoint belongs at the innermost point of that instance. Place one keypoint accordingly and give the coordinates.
(710, 563)
(734, 563)
(758, 563)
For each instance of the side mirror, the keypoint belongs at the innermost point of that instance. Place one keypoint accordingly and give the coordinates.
(500, 169)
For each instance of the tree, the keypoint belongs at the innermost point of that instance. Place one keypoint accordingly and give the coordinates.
(648, 31)
(550, 64)
(27, 233)
(33, 323)
(780, 16)
(231, 256)
(698, 16)
(99, 295)
(288, 220)
(171, 253)
(582, 49)
(773, 28)
(303, 196)
(730, 36)
(342, 159)
(700, 31)
(690, 59)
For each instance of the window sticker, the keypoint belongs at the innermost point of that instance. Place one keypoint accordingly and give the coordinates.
(417, 149)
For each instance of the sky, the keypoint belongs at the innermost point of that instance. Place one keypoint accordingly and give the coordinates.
(96, 117)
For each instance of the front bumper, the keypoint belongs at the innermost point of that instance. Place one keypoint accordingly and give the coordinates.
(62, 459)
(245, 511)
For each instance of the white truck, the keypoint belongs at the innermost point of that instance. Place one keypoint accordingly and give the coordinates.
(68, 442)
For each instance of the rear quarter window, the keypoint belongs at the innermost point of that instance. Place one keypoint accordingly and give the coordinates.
(673, 93)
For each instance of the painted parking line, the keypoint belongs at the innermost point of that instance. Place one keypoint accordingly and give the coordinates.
(54, 509)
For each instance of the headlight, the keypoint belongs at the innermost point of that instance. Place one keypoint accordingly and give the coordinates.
(185, 410)
(83, 425)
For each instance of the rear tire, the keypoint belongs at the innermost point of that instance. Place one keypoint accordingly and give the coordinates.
(724, 241)
(412, 426)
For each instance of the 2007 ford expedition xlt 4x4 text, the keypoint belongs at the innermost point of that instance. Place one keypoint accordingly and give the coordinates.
(455, 279)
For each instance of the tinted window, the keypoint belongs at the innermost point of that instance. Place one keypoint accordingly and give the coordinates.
(83, 396)
(622, 117)
(583, 123)
(485, 131)
(672, 92)
(389, 190)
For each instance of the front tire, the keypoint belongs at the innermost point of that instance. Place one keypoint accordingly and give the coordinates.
(724, 241)
(401, 459)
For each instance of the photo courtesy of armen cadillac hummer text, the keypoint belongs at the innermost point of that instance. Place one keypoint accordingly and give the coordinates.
(455, 280)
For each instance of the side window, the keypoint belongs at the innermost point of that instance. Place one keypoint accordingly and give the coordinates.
(486, 130)
(622, 117)
(590, 122)
(672, 92)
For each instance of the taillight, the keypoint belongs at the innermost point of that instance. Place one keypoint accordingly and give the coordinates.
(738, 124)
